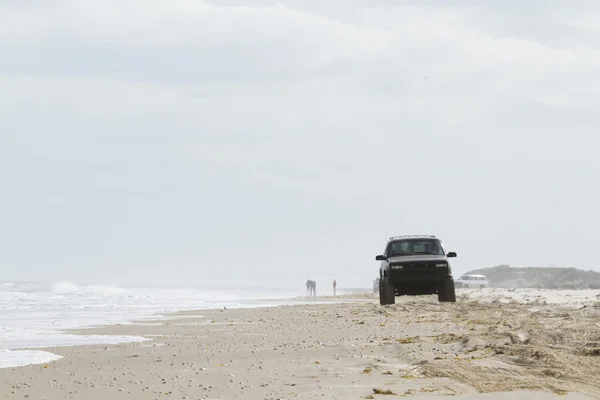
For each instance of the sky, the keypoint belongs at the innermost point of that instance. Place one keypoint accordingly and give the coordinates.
(268, 142)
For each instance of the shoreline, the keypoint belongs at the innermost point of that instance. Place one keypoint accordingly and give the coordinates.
(339, 350)
(45, 354)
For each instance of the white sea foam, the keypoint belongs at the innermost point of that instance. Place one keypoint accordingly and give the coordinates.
(17, 358)
(37, 314)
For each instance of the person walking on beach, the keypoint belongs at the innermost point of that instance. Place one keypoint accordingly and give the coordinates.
(334, 286)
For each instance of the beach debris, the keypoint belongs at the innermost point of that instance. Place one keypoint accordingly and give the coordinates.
(406, 340)
(383, 391)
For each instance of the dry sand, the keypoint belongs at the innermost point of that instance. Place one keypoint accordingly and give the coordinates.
(492, 347)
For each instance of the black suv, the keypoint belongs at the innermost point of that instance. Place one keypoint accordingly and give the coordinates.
(415, 265)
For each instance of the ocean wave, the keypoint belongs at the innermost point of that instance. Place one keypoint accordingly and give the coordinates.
(36, 314)
(65, 287)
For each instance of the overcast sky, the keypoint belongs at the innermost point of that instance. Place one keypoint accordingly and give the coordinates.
(268, 142)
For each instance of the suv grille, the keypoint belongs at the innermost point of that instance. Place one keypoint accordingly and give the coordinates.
(418, 264)
(411, 268)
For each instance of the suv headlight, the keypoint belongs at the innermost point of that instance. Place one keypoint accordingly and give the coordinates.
(441, 265)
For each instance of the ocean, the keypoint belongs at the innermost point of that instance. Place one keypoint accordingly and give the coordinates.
(35, 315)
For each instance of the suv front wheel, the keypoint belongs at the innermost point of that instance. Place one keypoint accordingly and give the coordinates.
(386, 292)
(447, 292)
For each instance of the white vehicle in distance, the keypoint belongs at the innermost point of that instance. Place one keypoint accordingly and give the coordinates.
(472, 281)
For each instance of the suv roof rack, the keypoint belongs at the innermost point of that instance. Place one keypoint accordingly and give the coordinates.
(411, 236)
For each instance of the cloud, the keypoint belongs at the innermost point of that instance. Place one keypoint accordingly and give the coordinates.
(158, 133)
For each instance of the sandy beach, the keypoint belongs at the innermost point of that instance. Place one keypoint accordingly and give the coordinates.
(492, 344)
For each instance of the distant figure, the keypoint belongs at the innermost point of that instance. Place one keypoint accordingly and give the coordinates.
(334, 286)
(311, 287)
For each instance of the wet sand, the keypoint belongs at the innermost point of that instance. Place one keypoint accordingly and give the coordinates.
(490, 344)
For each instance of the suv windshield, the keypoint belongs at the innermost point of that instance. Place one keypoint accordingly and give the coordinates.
(409, 247)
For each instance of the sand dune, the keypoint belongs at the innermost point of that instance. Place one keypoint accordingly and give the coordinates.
(487, 345)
